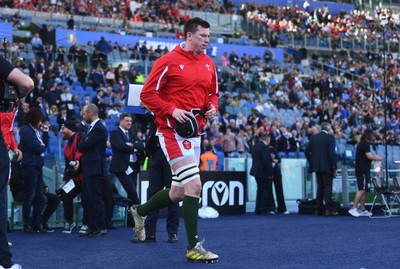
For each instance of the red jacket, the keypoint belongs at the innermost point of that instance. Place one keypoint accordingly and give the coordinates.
(72, 154)
(7, 128)
(180, 80)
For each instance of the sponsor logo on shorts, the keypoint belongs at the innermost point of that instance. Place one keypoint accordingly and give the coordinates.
(187, 144)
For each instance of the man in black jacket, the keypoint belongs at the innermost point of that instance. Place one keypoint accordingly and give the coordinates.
(320, 153)
(261, 169)
(93, 161)
(124, 163)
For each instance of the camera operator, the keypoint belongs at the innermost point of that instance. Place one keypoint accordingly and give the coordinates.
(24, 86)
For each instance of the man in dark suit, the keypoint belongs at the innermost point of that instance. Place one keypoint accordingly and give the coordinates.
(320, 153)
(32, 68)
(93, 148)
(261, 169)
(124, 162)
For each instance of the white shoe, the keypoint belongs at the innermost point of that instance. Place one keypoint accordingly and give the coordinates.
(83, 230)
(200, 254)
(139, 223)
(354, 212)
(365, 213)
(9, 244)
(286, 213)
(69, 226)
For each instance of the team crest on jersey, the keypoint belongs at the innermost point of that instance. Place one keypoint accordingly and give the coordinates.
(208, 67)
(181, 66)
(187, 144)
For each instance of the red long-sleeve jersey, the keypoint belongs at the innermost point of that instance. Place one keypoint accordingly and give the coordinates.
(7, 128)
(180, 80)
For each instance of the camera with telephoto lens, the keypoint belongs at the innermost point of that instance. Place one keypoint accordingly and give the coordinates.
(8, 96)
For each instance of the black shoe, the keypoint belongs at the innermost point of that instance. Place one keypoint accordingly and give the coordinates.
(100, 233)
(331, 213)
(149, 239)
(41, 229)
(258, 212)
(172, 238)
(47, 228)
(29, 230)
(111, 227)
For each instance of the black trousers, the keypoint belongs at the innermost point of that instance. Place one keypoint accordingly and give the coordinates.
(280, 198)
(262, 194)
(160, 176)
(50, 203)
(5, 254)
(128, 182)
(324, 191)
(68, 202)
(99, 194)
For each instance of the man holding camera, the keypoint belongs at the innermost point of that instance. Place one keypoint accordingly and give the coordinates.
(24, 85)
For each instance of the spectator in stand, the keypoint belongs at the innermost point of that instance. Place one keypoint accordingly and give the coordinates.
(73, 53)
(225, 59)
(64, 116)
(144, 51)
(53, 95)
(37, 43)
(82, 56)
(98, 59)
(233, 57)
(41, 66)
(268, 56)
(71, 23)
(98, 78)
(228, 143)
(104, 47)
(44, 34)
(263, 41)
(82, 75)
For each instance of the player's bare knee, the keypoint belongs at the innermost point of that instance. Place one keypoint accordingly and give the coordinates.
(176, 195)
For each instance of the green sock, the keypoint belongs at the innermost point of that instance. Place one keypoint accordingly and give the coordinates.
(159, 200)
(190, 214)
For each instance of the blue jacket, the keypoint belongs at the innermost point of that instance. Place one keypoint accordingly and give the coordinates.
(32, 149)
(121, 151)
(262, 161)
(320, 153)
(93, 147)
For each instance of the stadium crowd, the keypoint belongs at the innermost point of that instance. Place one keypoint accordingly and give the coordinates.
(346, 89)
